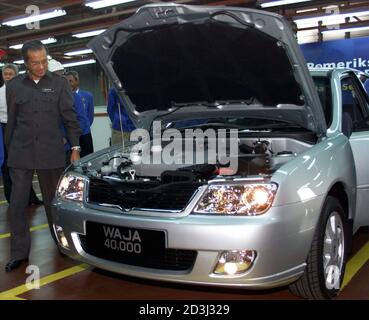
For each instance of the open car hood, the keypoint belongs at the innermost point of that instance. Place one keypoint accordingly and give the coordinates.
(167, 55)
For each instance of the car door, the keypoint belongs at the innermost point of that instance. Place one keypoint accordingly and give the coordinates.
(355, 102)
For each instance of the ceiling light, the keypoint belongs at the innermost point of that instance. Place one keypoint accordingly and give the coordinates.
(78, 63)
(44, 41)
(281, 3)
(306, 10)
(32, 18)
(78, 52)
(105, 3)
(329, 19)
(18, 61)
(88, 33)
(353, 29)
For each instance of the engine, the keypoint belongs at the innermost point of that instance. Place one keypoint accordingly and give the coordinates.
(256, 156)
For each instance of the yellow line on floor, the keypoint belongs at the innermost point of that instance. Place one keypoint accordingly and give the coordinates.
(35, 228)
(355, 264)
(13, 293)
(12, 298)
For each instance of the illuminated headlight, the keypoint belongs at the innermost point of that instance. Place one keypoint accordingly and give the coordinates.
(247, 199)
(71, 187)
(61, 236)
(234, 262)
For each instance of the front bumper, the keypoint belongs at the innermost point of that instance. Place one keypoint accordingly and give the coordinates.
(282, 238)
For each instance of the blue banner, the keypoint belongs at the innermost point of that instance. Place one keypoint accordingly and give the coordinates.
(346, 53)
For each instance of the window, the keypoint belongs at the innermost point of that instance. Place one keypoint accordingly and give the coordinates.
(323, 87)
(353, 103)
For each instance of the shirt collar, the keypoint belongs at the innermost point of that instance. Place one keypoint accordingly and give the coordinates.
(48, 74)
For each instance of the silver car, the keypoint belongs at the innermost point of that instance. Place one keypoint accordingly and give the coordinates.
(284, 206)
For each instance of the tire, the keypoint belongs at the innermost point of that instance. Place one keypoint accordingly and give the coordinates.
(325, 265)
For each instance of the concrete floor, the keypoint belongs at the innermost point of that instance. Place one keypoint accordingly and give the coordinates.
(63, 278)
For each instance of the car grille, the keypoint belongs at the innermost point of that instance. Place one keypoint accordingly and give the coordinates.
(171, 259)
(171, 196)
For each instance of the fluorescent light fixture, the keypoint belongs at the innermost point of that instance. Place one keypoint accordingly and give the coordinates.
(78, 52)
(306, 10)
(2, 64)
(281, 3)
(105, 3)
(32, 18)
(330, 19)
(88, 33)
(18, 61)
(78, 63)
(44, 41)
(49, 40)
(353, 29)
(16, 46)
(21, 72)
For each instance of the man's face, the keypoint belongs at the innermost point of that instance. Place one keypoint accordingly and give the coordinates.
(8, 74)
(73, 82)
(37, 63)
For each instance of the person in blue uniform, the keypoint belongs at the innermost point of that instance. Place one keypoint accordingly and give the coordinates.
(121, 124)
(84, 124)
(84, 102)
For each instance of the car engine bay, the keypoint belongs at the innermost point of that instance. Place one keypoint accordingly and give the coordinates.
(117, 180)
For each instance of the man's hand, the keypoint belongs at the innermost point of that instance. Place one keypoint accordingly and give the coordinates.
(74, 156)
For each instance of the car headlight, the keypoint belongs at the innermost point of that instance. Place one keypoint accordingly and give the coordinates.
(247, 199)
(71, 187)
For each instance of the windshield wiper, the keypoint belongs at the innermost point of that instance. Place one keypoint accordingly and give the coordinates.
(248, 102)
(212, 125)
(215, 103)
(278, 126)
(178, 106)
(194, 104)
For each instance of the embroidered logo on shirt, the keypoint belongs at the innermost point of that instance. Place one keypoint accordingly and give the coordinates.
(47, 90)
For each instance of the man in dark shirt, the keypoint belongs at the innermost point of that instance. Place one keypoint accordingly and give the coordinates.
(9, 72)
(37, 102)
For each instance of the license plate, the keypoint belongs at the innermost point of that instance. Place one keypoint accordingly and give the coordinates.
(122, 244)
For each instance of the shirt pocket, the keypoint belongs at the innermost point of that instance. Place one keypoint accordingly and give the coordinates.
(49, 103)
(23, 107)
(21, 100)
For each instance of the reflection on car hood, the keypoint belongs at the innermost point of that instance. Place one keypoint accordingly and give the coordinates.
(166, 55)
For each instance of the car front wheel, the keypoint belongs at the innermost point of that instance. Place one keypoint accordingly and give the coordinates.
(326, 261)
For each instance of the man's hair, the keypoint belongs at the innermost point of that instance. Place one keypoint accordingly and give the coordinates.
(73, 73)
(10, 66)
(33, 45)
